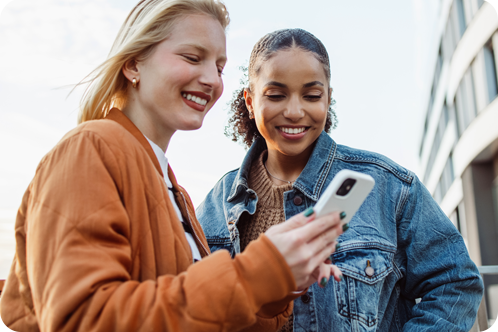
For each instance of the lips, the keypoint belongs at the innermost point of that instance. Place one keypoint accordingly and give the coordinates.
(293, 132)
(196, 99)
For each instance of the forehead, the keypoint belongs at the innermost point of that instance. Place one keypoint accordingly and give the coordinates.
(292, 65)
(201, 31)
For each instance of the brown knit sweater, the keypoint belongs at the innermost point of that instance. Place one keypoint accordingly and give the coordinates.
(269, 210)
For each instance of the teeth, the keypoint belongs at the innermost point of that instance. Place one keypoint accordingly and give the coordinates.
(195, 99)
(292, 130)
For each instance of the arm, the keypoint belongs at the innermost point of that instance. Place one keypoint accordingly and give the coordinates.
(79, 258)
(212, 217)
(438, 267)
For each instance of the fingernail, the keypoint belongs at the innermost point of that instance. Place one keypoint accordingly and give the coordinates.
(342, 215)
(323, 282)
(345, 227)
(309, 211)
(337, 247)
(340, 277)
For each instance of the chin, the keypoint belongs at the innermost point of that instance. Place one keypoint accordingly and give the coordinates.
(192, 125)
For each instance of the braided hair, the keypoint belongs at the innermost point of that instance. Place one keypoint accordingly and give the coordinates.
(240, 126)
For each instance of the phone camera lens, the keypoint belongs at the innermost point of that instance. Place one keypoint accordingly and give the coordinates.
(346, 187)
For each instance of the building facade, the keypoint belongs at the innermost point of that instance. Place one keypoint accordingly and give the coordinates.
(459, 147)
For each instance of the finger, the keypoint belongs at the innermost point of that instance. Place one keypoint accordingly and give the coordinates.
(299, 220)
(324, 274)
(325, 239)
(336, 273)
(330, 259)
(320, 256)
(320, 227)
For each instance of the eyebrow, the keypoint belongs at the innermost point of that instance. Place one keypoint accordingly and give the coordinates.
(203, 50)
(310, 84)
(281, 85)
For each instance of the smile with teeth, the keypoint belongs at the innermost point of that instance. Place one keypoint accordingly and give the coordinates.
(195, 99)
(292, 130)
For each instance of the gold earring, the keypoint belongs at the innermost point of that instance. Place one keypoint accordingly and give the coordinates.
(134, 82)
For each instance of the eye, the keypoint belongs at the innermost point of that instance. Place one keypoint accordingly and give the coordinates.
(275, 96)
(220, 71)
(191, 58)
(313, 97)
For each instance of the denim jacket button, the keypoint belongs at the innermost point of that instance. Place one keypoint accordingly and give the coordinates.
(298, 200)
(305, 298)
(369, 270)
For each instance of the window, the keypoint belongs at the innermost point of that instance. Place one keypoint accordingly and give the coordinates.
(455, 28)
(445, 181)
(495, 200)
(462, 25)
(438, 196)
(458, 219)
(448, 176)
(435, 83)
(423, 137)
(441, 128)
(465, 103)
(490, 68)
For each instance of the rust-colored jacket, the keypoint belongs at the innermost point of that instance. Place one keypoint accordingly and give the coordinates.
(99, 247)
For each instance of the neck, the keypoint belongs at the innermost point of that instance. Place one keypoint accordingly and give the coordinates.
(148, 125)
(284, 167)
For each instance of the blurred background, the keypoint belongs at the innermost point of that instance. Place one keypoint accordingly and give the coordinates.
(415, 80)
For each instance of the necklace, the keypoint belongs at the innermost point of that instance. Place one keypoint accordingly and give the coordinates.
(273, 176)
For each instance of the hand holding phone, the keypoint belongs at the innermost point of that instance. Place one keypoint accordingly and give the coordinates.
(346, 192)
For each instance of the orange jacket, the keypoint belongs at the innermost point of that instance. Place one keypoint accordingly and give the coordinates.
(99, 247)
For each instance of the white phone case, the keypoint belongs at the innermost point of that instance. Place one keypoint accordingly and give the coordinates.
(351, 202)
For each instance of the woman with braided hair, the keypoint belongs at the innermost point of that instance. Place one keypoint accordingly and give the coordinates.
(400, 246)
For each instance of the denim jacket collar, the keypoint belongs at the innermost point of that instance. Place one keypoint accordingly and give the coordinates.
(311, 180)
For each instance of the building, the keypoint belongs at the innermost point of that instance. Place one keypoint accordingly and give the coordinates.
(459, 147)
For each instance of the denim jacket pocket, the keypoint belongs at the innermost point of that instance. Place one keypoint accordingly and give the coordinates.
(365, 267)
(217, 243)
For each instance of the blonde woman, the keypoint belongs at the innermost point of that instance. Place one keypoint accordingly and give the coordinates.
(107, 239)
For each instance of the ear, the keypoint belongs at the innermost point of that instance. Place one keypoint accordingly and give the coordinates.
(131, 71)
(330, 95)
(248, 99)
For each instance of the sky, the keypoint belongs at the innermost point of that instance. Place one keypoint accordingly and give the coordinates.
(381, 52)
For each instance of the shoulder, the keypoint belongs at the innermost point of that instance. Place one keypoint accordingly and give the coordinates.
(105, 140)
(104, 130)
(222, 188)
(373, 161)
(105, 136)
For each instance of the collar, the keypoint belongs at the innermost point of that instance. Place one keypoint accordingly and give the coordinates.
(311, 180)
(161, 157)
(119, 117)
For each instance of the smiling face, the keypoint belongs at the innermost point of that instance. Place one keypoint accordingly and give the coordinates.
(290, 99)
(180, 80)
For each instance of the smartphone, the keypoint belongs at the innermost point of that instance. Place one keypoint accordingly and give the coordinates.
(346, 192)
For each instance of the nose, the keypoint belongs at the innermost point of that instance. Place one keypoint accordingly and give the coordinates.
(210, 77)
(294, 110)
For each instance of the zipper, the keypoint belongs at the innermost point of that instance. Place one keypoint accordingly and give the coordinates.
(193, 230)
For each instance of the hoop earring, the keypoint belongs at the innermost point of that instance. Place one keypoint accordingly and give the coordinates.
(134, 82)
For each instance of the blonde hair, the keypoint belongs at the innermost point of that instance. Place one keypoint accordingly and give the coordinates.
(149, 23)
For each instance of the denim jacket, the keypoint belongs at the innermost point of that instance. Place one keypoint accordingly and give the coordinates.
(414, 249)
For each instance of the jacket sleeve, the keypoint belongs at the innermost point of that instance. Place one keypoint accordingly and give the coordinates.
(79, 259)
(438, 269)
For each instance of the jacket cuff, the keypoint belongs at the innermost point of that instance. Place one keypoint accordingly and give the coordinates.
(266, 274)
(283, 306)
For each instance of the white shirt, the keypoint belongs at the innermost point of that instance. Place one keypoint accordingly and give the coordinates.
(163, 162)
